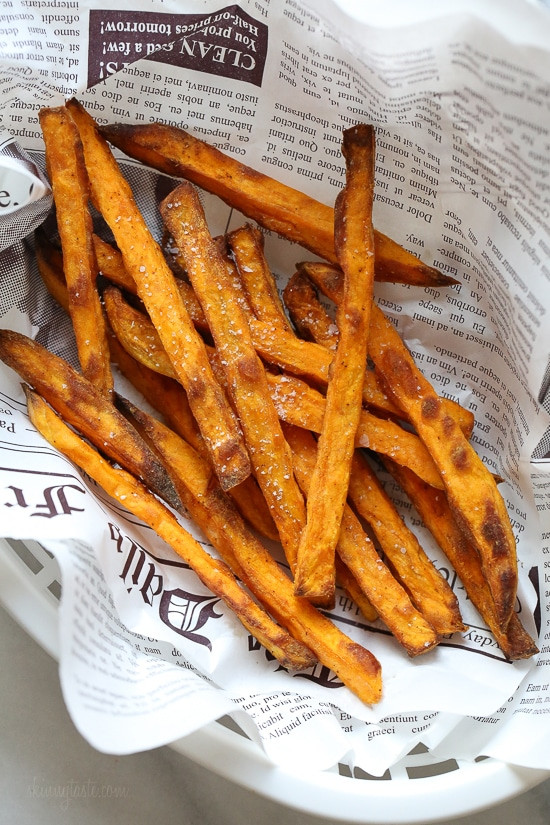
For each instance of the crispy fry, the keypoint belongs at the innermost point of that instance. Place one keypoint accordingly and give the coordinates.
(244, 372)
(247, 246)
(428, 590)
(81, 404)
(135, 497)
(144, 261)
(354, 244)
(70, 188)
(329, 281)
(357, 552)
(273, 205)
(434, 510)
(214, 513)
(310, 318)
(472, 493)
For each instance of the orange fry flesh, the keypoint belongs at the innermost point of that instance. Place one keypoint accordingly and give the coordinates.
(471, 489)
(70, 188)
(144, 261)
(434, 510)
(136, 498)
(247, 247)
(273, 205)
(354, 243)
(244, 372)
(214, 513)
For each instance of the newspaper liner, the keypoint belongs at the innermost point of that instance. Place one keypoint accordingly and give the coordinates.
(147, 655)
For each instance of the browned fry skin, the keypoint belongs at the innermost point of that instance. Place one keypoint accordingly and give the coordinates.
(472, 493)
(50, 266)
(433, 508)
(310, 318)
(329, 281)
(70, 187)
(216, 516)
(136, 498)
(82, 405)
(157, 288)
(111, 265)
(314, 323)
(354, 244)
(273, 205)
(428, 590)
(247, 246)
(244, 372)
(355, 549)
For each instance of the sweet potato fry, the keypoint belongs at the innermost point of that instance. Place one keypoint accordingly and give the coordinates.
(434, 510)
(82, 405)
(214, 513)
(347, 581)
(244, 372)
(247, 247)
(271, 204)
(70, 187)
(329, 281)
(144, 261)
(135, 497)
(472, 492)
(310, 318)
(357, 552)
(354, 245)
(428, 590)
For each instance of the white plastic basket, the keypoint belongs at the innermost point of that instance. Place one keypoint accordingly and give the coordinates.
(418, 789)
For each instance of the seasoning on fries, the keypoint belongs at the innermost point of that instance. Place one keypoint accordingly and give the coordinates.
(156, 285)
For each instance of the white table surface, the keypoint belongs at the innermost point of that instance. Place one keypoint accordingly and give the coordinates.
(50, 776)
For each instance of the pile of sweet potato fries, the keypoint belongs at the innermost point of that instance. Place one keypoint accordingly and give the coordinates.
(270, 408)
